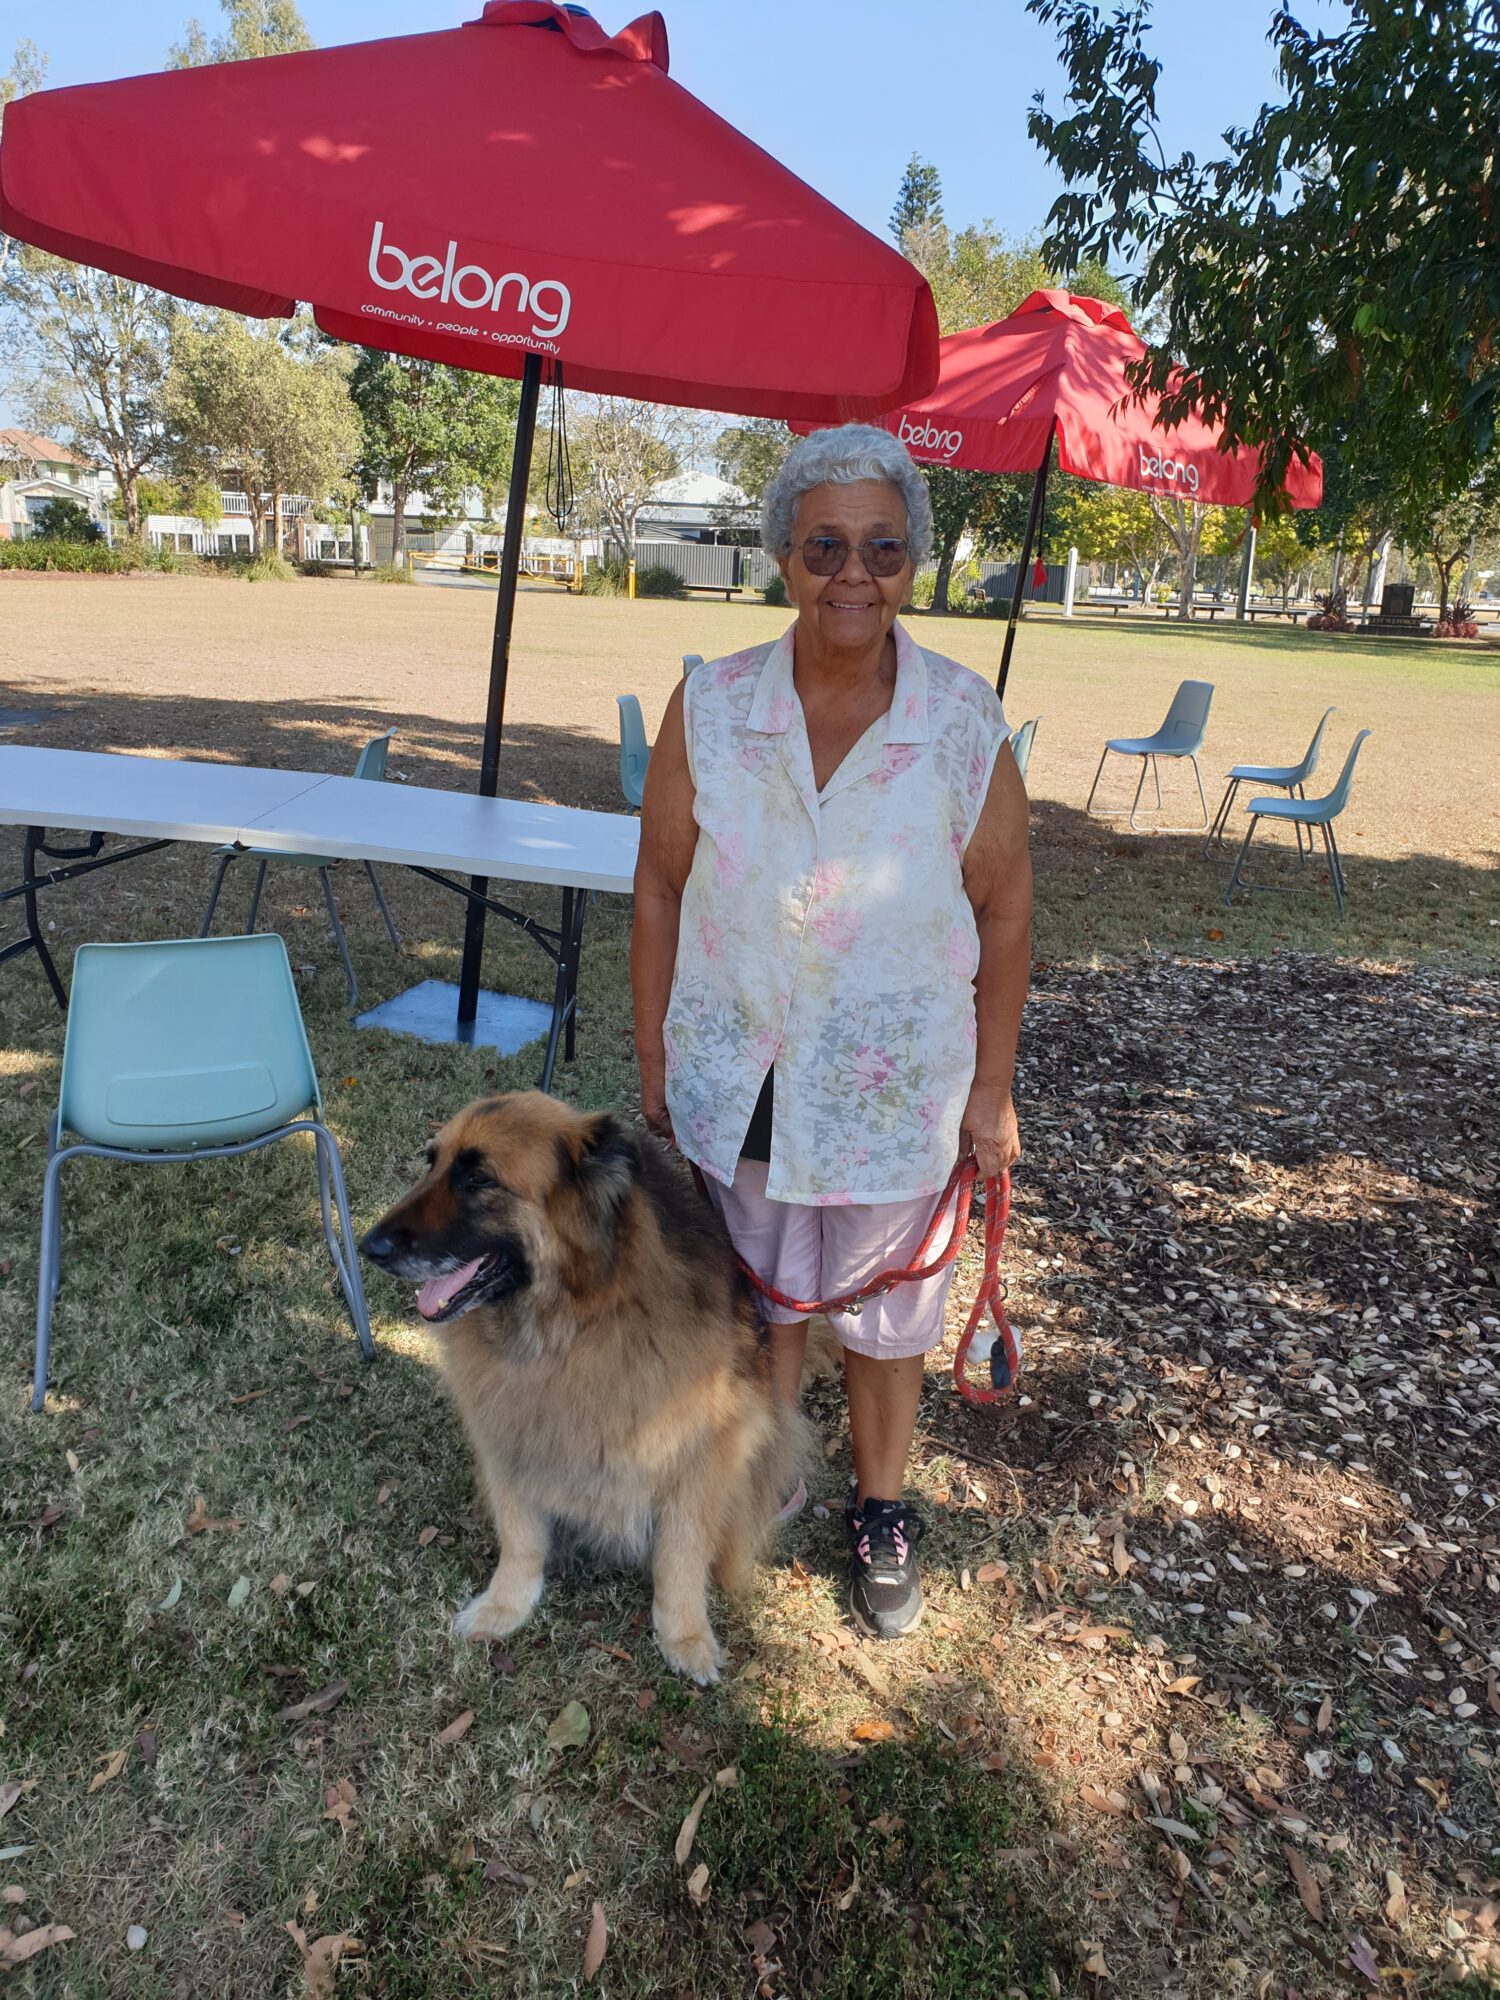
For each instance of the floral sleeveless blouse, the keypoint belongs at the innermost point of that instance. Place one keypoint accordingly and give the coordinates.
(828, 934)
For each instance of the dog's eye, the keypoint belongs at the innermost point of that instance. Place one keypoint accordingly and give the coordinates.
(470, 1172)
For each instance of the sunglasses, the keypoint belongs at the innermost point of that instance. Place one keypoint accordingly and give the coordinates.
(825, 555)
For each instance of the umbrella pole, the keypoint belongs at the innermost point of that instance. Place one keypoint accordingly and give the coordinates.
(1038, 500)
(494, 718)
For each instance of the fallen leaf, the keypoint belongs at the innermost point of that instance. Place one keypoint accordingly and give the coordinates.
(1363, 1959)
(760, 1937)
(1215, 936)
(1184, 1684)
(689, 1827)
(645, 1699)
(1120, 1555)
(496, 1871)
(847, 1899)
(51, 1514)
(1396, 1904)
(569, 1728)
(13, 1790)
(315, 1704)
(74, 1461)
(1105, 1802)
(888, 1824)
(426, 1538)
(873, 1731)
(111, 1764)
(239, 1590)
(296, 1423)
(457, 1728)
(994, 1572)
(383, 1492)
(1492, 1695)
(596, 1943)
(1307, 1884)
(16, 1950)
(572, 1881)
(338, 1803)
(199, 1522)
(1094, 1958)
(170, 1600)
(1325, 1715)
(13, 1894)
(697, 1886)
(145, 1748)
(1178, 1746)
(250, 1396)
(1176, 1827)
(728, 1778)
(280, 1583)
(320, 1959)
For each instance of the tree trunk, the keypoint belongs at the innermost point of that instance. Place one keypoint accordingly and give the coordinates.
(1148, 583)
(276, 522)
(944, 575)
(399, 496)
(1188, 558)
(130, 500)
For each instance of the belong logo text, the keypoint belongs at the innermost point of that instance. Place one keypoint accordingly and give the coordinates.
(927, 437)
(1172, 470)
(468, 285)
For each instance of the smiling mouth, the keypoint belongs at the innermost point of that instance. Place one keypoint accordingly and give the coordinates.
(446, 1297)
(837, 604)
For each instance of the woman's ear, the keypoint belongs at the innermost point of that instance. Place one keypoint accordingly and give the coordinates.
(784, 564)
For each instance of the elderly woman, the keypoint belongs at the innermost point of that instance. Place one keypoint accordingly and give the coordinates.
(831, 952)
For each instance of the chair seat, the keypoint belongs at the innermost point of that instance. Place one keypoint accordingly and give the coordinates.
(1308, 812)
(1149, 746)
(1266, 774)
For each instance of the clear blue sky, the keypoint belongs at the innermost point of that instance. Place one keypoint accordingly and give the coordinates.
(842, 92)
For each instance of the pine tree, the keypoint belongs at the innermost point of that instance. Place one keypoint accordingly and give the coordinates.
(919, 204)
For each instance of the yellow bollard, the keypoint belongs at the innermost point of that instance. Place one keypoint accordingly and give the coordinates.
(630, 592)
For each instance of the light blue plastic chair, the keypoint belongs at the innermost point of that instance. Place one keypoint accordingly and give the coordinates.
(689, 661)
(634, 750)
(1021, 741)
(1290, 778)
(1309, 813)
(371, 764)
(178, 1051)
(1181, 735)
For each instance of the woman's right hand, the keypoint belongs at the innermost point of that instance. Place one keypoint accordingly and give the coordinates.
(654, 1108)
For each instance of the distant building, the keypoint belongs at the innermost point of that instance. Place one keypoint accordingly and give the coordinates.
(35, 470)
(302, 538)
(698, 507)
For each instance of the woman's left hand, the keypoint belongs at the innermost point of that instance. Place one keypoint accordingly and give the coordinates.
(989, 1131)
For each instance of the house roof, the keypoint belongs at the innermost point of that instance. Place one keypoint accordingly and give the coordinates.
(26, 444)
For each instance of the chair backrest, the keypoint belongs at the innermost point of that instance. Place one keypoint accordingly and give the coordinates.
(184, 1043)
(372, 758)
(1021, 742)
(1309, 762)
(1338, 798)
(633, 750)
(689, 661)
(1187, 718)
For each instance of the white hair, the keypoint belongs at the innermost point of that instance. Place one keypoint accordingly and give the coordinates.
(838, 458)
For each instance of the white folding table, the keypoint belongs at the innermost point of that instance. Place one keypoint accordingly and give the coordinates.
(160, 800)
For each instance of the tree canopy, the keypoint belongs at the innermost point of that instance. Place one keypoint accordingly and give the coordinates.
(1341, 253)
(431, 429)
(254, 28)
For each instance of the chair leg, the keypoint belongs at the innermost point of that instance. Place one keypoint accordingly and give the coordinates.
(1140, 787)
(1202, 801)
(1216, 832)
(1097, 775)
(1239, 860)
(213, 895)
(345, 1258)
(260, 883)
(1335, 867)
(390, 929)
(49, 1273)
(1156, 780)
(338, 937)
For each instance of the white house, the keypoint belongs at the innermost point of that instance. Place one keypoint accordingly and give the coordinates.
(34, 470)
(697, 507)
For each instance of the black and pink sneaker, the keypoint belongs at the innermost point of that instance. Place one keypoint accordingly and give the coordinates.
(885, 1592)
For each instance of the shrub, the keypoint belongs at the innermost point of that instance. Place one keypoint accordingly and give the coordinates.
(315, 566)
(775, 591)
(391, 573)
(1461, 618)
(658, 580)
(42, 552)
(267, 568)
(66, 521)
(1332, 614)
(922, 587)
(608, 579)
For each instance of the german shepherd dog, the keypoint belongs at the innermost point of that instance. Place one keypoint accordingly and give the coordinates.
(604, 1356)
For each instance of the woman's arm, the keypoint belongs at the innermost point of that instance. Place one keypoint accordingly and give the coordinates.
(997, 880)
(669, 834)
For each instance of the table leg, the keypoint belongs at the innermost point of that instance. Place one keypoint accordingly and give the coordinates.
(574, 947)
(559, 992)
(34, 838)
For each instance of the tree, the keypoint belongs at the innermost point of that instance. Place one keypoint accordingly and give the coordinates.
(1342, 249)
(431, 429)
(27, 69)
(256, 28)
(245, 403)
(66, 521)
(919, 200)
(622, 450)
(1111, 524)
(1463, 526)
(749, 454)
(91, 355)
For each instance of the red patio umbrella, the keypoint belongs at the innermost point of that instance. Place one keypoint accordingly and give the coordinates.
(1056, 369)
(524, 190)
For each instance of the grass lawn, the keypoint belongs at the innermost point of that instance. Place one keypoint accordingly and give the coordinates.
(1207, 1698)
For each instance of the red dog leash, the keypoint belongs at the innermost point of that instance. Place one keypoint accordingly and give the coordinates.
(996, 1343)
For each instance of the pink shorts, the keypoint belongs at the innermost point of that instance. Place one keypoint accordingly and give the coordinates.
(815, 1253)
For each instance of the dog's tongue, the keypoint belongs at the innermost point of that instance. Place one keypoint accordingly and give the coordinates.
(436, 1293)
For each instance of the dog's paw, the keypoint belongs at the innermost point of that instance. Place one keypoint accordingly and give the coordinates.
(490, 1617)
(698, 1654)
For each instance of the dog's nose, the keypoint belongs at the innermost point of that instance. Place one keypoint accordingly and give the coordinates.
(378, 1244)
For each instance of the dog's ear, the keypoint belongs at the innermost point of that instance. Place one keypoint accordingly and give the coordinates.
(603, 1157)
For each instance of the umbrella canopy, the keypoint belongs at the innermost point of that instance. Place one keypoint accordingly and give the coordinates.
(1061, 361)
(523, 184)
(524, 190)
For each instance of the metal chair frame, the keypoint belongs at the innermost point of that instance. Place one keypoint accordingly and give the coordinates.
(330, 1182)
(1290, 778)
(1308, 813)
(1149, 749)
